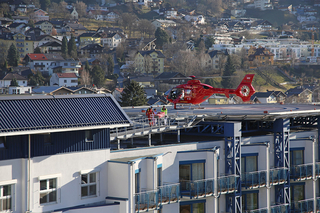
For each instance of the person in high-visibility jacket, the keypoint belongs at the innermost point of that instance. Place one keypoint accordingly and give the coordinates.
(165, 110)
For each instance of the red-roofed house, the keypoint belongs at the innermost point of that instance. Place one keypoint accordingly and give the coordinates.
(64, 79)
(41, 62)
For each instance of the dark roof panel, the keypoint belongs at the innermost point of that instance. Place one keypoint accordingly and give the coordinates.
(60, 113)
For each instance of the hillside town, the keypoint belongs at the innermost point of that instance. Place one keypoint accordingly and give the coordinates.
(74, 48)
(153, 106)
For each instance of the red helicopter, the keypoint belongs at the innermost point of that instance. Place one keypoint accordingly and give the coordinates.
(195, 92)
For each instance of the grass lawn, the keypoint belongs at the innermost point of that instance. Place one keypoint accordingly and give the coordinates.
(276, 17)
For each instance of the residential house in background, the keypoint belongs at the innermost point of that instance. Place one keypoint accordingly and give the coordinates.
(41, 61)
(299, 95)
(151, 62)
(5, 82)
(260, 56)
(23, 43)
(164, 23)
(74, 28)
(18, 27)
(52, 90)
(39, 15)
(20, 19)
(46, 26)
(218, 99)
(51, 47)
(168, 80)
(268, 97)
(92, 50)
(89, 38)
(64, 79)
(65, 66)
(217, 59)
(43, 39)
(112, 40)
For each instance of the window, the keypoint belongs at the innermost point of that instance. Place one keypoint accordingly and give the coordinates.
(297, 193)
(190, 171)
(89, 136)
(6, 197)
(3, 142)
(192, 207)
(137, 180)
(48, 191)
(297, 156)
(89, 185)
(159, 175)
(250, 200)
(65, 81)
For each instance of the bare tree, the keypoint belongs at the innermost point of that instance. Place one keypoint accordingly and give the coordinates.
(4, 7)
(85, 78)
(81, 8)
(128, 22)
(146, 27)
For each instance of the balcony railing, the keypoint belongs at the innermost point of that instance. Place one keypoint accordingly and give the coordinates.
(227, 184)
(274, 209)
(301, 172)
(278, 176)
(255, 179)
(302, 206)
(169, 193)
(153, 199)
(198, 188)
(258, 179)
(280, 208)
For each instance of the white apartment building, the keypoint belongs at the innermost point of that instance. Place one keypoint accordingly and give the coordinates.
(281, 48)
(70, 154)
(262, 4)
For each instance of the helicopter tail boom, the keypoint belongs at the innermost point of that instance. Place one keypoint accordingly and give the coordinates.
(245, 89)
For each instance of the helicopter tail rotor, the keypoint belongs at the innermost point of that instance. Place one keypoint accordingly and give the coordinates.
(245, 89)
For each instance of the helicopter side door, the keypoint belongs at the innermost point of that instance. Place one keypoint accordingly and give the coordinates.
(187, 94)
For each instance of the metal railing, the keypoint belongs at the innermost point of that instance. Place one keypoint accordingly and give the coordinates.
(153, 199)
(142, 125)
(227, 184)
(278, 176)
(280, 208)
(255, 179)
(302, 206)
(273, 209)
(301, 172)
(197, 188)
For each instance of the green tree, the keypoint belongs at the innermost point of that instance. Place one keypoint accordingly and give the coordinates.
(14, 82)
(162, 37)
(72, 47)
(45, 4)
(210, 82)
(13, 56)
(87, 66)
(37, 50)
(133, 95)
(229, 70)
(209, 42)
(110, 64)
(64, 46)
(98, 76)
(37, 79)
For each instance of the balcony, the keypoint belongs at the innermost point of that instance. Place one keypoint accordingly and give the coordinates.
(204, 188)
(274, 209)
(153, 199)
(302, 206)
(278, 176)
(301, 172)
(252, 180)
(198, 188)
(227, 184)
(257, 179)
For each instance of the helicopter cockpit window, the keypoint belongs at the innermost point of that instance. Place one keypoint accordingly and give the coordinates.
(188, 91)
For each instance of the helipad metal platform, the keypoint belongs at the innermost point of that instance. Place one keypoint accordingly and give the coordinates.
(237, 111)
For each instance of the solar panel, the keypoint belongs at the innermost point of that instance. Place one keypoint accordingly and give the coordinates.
(49, 112)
